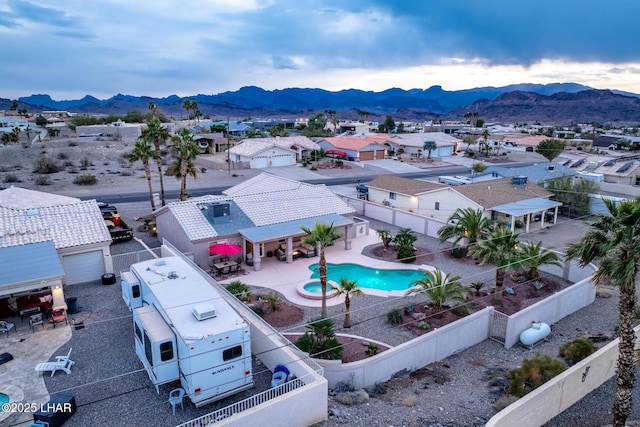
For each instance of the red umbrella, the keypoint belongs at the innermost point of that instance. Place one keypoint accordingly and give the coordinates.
(224, 249)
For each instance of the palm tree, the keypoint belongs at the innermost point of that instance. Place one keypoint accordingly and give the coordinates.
(464, 224)
(320, 340)
(439, 287)
(429, 146)
(405, 238)
(534, 255)
(142, 151)
(158, 134)
(385, 236)
(153, 108)
(500, 248)
(348, 288)
(332, 118)
(185, 149)
(321, 236)
(614, 240)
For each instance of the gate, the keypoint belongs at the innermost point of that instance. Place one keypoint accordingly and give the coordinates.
(122, 262)
(498, 330)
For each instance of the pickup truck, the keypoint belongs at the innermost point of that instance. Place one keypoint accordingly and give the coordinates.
(118, 229)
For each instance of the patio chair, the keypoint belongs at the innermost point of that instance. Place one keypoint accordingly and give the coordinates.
(62, 363)
(175, 398)
(224, 272)
(7, 326)
(59, 315)
(36, 320)
(249, 258)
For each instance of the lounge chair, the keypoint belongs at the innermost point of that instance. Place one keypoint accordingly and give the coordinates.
(62, 363)
(7, 326)
(59, 315)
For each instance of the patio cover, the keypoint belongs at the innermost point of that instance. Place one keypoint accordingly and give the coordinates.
(282, 230)
(525, 207)
(24, 267)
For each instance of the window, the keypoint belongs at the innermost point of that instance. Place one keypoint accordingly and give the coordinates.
(637, 179)
(437, 207)
(232, 353)
(166, 351)
(135, 291)
(137, 331)
(392, 196)
(147, 350)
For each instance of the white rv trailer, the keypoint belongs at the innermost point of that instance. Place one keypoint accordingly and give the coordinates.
(184, 330)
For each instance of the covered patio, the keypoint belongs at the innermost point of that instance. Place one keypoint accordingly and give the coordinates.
(287, 236)
(530, 210)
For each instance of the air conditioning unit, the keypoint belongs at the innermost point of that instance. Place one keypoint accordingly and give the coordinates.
(204, 311)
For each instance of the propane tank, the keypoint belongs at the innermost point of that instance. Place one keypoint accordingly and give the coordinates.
(535, 333)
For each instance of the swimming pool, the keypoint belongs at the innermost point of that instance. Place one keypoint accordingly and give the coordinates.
(3, 399)
(369, 278)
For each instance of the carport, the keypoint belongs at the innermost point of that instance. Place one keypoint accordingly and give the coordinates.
(258, 237)
(529, 209)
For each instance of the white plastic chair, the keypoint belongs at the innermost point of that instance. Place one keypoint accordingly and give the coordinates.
(36, 320)
(175, 398)
(7, 326)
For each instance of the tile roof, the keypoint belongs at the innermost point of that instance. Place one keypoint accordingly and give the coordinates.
(358, 142)
(265, 199)
(401, 185)
(418, 139)
(263, 183)
(489, 194)
(68, 225)
(21, 198)
(251, 146)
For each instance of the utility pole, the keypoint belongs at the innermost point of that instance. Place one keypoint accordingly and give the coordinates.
(228, 148)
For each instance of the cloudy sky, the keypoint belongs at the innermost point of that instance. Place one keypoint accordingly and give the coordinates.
(69, 48)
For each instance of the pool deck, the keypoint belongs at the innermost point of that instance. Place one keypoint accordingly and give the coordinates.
(285, 278)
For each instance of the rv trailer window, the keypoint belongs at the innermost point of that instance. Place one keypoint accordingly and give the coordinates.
(137, 331)
(147, 350)
(232, 353)
(166, 351)
(135, 291)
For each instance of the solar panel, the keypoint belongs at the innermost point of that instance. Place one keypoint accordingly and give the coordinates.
(625, 167)
(566, 163)
(609, 163)
(578, 163)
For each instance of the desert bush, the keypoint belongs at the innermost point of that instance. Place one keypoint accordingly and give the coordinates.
(67, 163)
(11, 177)
(86, 179)
(45, 165)
(126, 173)
(504, 401)
(576, 350)
(42, 180)
(239, 290)
(533, 373)
(258, 309)
(272, 301)
(461, 310)
(62, 155)
(85, 163)
(372, 349)
(73, 144)
(320, 340)
(73, 170)
(424, 326)
(395, 316)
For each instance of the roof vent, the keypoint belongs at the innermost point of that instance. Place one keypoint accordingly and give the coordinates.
(204, 311)
(551, 168)
(519, 181)
(33, 212)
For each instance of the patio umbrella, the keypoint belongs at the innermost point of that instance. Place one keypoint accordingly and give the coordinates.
(225, 249)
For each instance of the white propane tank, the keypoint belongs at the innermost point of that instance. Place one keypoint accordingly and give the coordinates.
(535, 333)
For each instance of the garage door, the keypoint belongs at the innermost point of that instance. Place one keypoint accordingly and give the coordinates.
(281, 160)
(83, 267)
(380, 155)
(366, 155)
(261, 162)
(444, 151)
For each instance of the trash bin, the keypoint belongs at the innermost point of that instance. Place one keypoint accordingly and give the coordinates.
(72, 305)
(57, 410)
(108, 279)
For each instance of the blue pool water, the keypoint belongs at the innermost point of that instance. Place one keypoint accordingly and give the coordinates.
(370, 278)
(3, 399)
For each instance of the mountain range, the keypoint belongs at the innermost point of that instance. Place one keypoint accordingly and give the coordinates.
(557, 103)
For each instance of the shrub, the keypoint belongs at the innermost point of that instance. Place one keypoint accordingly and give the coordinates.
(45, 165)
(406, 254)
(461, 310)
(320, 341)
(258, 309)
(67, 163)
(11, 177)
(73, 144)
(424, 326)
(372, 349)
(239, 290)
(85, 163)
(62, 156)
(533, 373)
(576, 350)
(272, 301)
(86, 179)
(42, 180)
(313, 168)
(395, 316)
(458, 252)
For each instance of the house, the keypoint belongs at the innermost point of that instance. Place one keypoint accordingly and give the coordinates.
(76, 228)
(413, 143)
(359, 147)
(272, 152)
(260, 215)
(512, 201)
(47, 241)
(538, 173)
